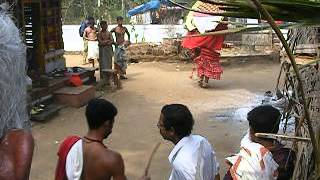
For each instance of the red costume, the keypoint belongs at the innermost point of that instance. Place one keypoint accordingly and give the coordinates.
(208, 62)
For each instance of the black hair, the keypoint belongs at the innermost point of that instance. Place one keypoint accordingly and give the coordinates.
(119, 18)
(178, 117)
(103, 22)
(90, 18)
(264, 119)
(98, 111)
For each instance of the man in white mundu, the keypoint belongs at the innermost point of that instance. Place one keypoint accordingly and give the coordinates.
(90, 34)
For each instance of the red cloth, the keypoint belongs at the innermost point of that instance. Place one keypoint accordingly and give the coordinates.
(64, 149)
(75, 80)
(208, 62)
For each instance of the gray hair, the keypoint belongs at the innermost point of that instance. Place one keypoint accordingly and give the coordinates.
(13, 84)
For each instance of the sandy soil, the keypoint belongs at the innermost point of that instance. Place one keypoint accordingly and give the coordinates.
(149, 87)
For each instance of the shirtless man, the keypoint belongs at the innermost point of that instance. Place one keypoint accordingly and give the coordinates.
(87, 157)
(105, 48)
(90, 34)
(121, 43)
(83, 26)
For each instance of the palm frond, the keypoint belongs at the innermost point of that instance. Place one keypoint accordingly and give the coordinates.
(286, 10)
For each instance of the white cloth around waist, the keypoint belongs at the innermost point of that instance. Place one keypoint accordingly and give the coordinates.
(93, 50)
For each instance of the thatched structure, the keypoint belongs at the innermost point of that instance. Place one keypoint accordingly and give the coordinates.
(310, 73)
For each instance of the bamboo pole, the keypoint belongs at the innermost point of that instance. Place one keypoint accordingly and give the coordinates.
(156, 147)
(271, 21)
(222, 32)
(281, 136)
(231, 31)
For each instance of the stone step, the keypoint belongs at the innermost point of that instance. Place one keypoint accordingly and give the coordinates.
(75, 96)
(49, 112)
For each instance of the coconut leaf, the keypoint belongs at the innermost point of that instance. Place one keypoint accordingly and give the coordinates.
(287, 10)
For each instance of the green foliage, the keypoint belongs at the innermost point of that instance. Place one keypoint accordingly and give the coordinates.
(74, 11)
(139, 1)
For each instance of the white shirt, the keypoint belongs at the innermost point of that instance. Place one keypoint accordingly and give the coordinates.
(193, 158)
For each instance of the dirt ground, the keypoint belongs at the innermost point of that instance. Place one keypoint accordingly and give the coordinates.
(149, 87)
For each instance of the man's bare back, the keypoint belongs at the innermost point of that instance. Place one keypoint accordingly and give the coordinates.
(101, 163)
(98, 162)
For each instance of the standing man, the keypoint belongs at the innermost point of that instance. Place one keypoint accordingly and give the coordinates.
(90, 34)
(88, 157)
(105, 47)
(192, 158)
(83, 26)
(120, 59)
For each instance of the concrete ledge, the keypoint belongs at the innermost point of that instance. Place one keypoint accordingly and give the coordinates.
(75, 96)
(240, 59)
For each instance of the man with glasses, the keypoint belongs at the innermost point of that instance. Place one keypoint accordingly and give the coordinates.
(192, 158)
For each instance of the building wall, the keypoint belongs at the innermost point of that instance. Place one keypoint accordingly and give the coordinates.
(145, 33)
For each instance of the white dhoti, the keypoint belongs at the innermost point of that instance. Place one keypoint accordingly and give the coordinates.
(93, 50)
(74, 162)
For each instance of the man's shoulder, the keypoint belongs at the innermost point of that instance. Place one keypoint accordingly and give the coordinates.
(110, 157)
(114, 29)
(198, 141)
(199, 138)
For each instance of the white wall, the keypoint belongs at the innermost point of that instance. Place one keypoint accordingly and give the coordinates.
(151, 33)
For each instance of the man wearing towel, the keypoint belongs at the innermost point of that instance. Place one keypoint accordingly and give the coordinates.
(90, 34)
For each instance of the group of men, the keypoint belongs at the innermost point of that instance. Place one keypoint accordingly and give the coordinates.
(98, 45)
(192, 157)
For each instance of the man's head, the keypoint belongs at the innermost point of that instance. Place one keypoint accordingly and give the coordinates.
(119, 20)
(91, 21)
(104, 25)
(175, 122)
(100, 115)
(263, 119)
